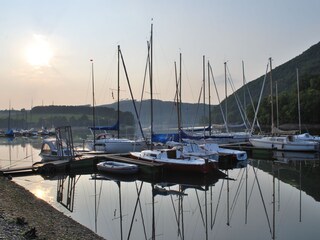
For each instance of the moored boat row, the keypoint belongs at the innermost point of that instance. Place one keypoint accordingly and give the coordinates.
(285, 143)
(32, 132)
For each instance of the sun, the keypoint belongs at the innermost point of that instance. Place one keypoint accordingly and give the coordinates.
(39, 53)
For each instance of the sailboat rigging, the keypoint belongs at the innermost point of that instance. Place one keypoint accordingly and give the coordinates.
(285, 142)
(108, 143)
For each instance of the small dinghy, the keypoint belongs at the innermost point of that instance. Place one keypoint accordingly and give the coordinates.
(117, 167)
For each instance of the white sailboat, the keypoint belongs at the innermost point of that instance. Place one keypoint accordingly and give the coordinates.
(284, 143)
(303, 136)
(106, 142)
(174, 159)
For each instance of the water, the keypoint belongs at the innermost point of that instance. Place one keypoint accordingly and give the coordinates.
(262, 199)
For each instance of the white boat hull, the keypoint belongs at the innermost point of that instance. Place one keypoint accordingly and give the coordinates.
(115, 145)
(49, 151)
(225, 152)
(282, 143)
(176, 162)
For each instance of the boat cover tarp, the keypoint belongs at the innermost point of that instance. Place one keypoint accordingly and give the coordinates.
(185, 135)
(165, 137)
(288, 132)
(9, 133)
(198, 129)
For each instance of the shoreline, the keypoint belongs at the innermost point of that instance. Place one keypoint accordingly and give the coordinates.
(24, 216)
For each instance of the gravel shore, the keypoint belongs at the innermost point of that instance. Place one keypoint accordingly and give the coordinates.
(24, 216)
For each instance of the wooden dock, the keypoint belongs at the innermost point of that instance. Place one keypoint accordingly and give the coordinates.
(84, 164)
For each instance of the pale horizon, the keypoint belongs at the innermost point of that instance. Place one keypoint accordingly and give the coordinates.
(46, 46)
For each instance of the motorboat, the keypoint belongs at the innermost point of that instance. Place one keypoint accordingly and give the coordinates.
(174, 159)
(284, 143)
(49, 150)
(117, 167)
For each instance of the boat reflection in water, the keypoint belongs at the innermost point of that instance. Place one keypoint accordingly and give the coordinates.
(272, 196)
(176, 206)
(145, 197)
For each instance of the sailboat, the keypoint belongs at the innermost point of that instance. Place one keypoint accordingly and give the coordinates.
(303, 136)
(9, 133)
(172, 158)
(207, 134)
(175, 160)
(107, 142)
(283, 143)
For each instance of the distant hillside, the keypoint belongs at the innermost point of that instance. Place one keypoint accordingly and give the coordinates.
(308, 64)
(54, 116)
(165, 113)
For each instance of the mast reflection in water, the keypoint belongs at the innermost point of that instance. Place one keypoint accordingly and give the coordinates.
(273, 196)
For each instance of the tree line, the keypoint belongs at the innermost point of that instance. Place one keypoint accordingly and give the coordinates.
(54, 116)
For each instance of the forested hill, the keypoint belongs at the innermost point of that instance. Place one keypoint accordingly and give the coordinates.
(164, 113)
(285, 77)
(75, 116)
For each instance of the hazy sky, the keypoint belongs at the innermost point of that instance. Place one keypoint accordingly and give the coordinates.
(46, 46)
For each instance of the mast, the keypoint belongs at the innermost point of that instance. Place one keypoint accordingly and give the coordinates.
(118, 92)
(180, 101)
(210, 121)
(226, 94)
(151, 84)
(277, 104)
(178, 95)
(244, 83)
(298, 90)
(9, 118)
(93, 107)
(204, 86)
(271, 93)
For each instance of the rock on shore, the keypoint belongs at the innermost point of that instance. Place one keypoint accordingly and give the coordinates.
(24, 216)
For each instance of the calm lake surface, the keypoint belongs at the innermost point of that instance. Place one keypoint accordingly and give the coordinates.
(274, 195)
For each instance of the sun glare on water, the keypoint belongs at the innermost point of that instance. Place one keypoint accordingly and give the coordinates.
(39, 52)
(40, 194)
